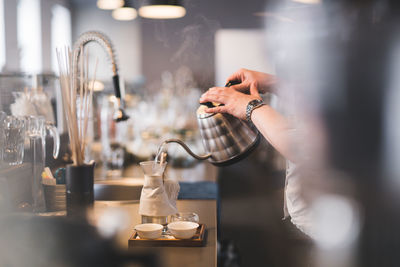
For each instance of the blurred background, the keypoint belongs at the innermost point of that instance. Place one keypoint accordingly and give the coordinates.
(164, 65)
(339, 61)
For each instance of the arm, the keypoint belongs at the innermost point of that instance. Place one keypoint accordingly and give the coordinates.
(272, 125)
(275, 128)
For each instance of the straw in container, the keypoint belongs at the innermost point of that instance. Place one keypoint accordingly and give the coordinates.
(74, 86)
(79, 175)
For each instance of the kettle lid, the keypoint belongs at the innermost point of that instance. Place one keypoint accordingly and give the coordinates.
(202, 114)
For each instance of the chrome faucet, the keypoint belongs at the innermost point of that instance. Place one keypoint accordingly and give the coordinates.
(106, 44)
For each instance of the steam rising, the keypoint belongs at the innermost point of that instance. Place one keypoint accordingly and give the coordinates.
(195, 38)
(191, 38)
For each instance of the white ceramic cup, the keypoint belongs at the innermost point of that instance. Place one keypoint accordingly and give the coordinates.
(149, 230)
(183, 229)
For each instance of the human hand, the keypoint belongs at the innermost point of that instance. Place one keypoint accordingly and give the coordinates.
(235, 102)
(246, 78)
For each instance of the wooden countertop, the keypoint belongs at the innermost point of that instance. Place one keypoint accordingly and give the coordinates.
(170, 256)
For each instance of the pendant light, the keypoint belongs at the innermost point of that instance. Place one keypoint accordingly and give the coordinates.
(308, 1)
(162, 9)
(109, 4)
(126, 12)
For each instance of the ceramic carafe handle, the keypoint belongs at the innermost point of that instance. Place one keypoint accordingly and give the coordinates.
(56, 139)
(173, 140)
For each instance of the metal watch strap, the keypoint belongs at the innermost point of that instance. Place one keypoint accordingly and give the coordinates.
(252, 105)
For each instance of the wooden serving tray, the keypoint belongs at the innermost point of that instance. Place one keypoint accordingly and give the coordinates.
(198, 240)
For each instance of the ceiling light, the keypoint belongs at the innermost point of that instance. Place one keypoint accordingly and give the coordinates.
(308, 1)
(109, 4)
(126, 12)
(162, 9)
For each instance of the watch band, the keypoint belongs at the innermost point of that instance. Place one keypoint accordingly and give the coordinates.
(252, 105)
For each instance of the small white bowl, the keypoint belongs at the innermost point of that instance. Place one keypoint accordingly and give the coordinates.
(149, 230)
(183, 229)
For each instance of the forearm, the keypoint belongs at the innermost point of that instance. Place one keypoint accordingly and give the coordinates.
(275, 128)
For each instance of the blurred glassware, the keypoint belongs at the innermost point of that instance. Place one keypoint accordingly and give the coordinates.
(153, 169)
(3, 115)
(166, 112)
(37, 126)
(36, 131)
(115, 161)
(50, 85)
(113, 135)
(89, 136)
(13, 136)
(185, 216)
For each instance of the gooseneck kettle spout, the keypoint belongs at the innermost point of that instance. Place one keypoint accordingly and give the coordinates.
(226, 139)
(188, 150)
(105, 43)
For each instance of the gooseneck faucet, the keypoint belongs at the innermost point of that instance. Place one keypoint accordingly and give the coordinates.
(105, 43)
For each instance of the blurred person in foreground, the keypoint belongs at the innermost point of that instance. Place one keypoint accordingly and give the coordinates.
(342, 61)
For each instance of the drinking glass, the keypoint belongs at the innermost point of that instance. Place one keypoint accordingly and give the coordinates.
(113, 136)
(36, 128)
(152, 169)
(3, 115)
(185, 216)
(12, 139)
(115, 159)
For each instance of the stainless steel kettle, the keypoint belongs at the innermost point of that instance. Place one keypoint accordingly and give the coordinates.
(226, 139)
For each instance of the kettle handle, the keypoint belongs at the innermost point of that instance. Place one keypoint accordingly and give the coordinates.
(208, 104)
(211, 105)
(174, 140)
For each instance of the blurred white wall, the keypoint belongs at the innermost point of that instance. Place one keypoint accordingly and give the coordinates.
(240, 48)
(26, 35)
(10, 33)
(2, 39)
(60, 33)
(125, 35)
(29, 31)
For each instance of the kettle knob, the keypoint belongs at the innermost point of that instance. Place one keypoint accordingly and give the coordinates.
(208, 104)
(228, 84)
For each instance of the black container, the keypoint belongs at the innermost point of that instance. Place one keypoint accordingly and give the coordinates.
(79, 183)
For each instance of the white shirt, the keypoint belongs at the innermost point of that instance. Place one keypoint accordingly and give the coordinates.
(295, 205)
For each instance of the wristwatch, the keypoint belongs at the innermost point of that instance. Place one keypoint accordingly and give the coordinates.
(252, 105)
